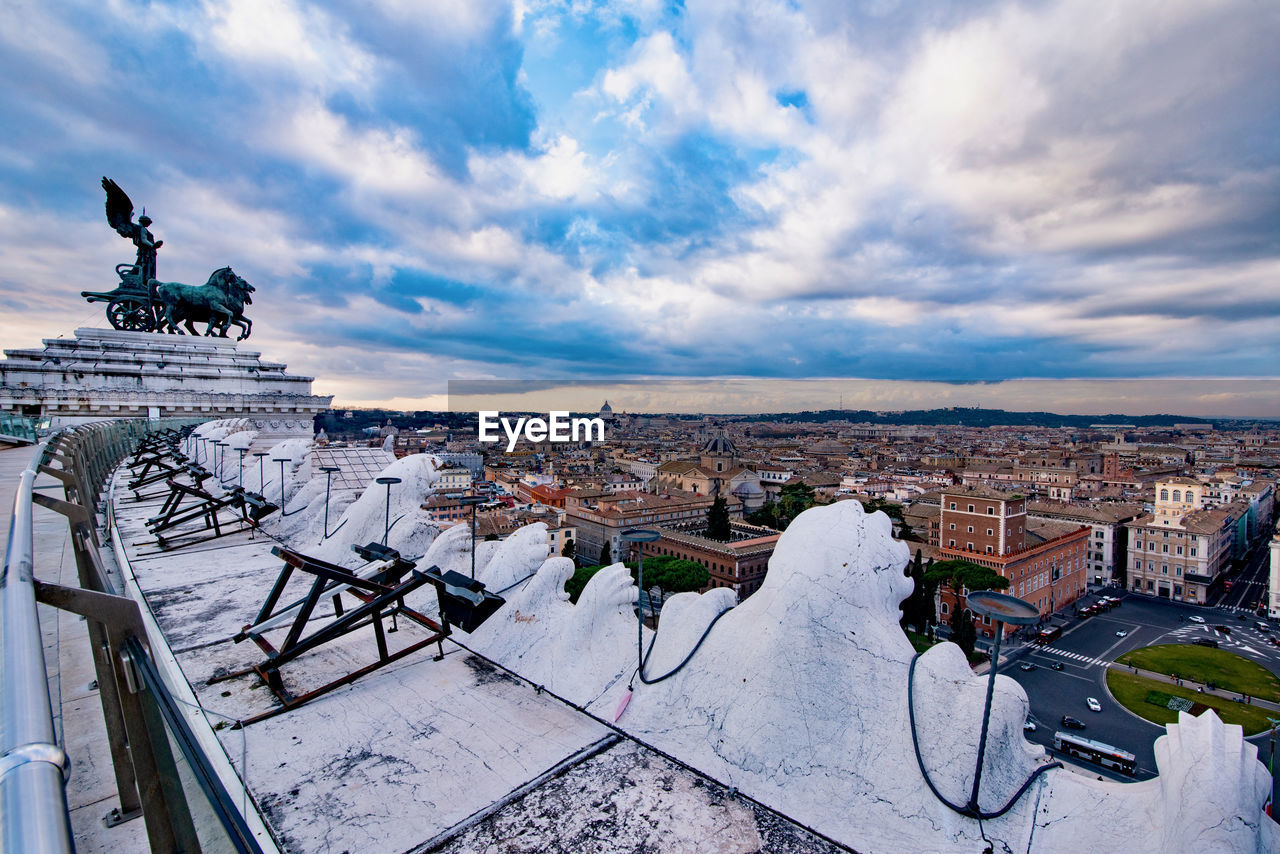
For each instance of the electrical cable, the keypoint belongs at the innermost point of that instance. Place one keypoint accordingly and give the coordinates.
(972, 811)
(642, 655)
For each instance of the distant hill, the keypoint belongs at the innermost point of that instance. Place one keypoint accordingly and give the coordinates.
(967, 417)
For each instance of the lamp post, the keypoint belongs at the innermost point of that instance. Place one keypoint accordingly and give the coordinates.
(281, 461)
(219, 459)
(328, 479)
(640, 536)
(386, 523)
(472, 501)
(240, 468)
(262, 482)
(1275, 785)
(1003, 609)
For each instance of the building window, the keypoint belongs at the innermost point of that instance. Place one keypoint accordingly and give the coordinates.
(953, 526)
(953, 505)
(951, 543)
(1179, 549)
(970, 529)
(1177, 495)
(991, 511)
(970, 508)
(1164, 495)
(945, 609)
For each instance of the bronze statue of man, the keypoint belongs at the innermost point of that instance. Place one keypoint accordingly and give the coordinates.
(120, 216)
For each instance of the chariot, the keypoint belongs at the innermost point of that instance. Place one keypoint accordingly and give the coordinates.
(133, 305)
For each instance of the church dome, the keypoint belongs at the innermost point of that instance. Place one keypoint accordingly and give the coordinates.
(719, 446)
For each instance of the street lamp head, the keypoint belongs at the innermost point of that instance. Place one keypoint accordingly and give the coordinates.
(387, 480)
(640, 535)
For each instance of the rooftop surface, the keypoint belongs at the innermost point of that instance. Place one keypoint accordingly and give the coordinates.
(421, 753)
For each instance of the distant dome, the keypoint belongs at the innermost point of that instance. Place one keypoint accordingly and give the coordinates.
(606, 407)
(719, 446)
(606, 411)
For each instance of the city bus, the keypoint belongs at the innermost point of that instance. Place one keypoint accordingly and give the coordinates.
(1094, 751)
(1049, 635)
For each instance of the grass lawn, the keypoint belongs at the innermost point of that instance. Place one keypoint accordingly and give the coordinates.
(1131, 692)
(1206, 664)
(919, 641)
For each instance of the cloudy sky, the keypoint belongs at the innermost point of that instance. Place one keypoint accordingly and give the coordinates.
(546, 189)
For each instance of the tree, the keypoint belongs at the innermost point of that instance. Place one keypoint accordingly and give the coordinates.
(672, 575)
(961, 574)
(793, 499)
(718, 520)
(576, 582)
(963, 634)
(606, 557)
(569, 550)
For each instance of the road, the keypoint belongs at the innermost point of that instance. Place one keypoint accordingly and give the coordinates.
(1088, 646)
(1250, 584)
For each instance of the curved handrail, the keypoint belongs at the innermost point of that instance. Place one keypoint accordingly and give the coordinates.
(32, 786)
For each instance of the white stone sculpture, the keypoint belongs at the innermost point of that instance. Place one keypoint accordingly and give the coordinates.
(799, 697)
(580, 652)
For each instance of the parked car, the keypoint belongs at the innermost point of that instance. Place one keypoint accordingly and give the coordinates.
(1093, 704)
(1057, 665)
(1196, 618)
(1029, 726)
(1027, 666)
(1122, 633)
(1072, 723)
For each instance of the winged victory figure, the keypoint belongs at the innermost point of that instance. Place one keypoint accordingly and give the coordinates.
(120, 216)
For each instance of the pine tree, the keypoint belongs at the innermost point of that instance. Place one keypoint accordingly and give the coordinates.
(606, 557)
(718, 520)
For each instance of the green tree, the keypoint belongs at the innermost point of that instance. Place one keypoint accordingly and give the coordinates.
(718, 520)
(606, 557)
(793, 499)
(576, 582)
(569, 550)
(963, 634)
(672, 575)
(958, 574)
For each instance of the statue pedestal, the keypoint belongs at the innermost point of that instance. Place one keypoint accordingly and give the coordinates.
(105, 373)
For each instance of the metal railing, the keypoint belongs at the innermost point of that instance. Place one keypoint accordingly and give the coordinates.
(32, 796)
(19, 427)
(160, 772)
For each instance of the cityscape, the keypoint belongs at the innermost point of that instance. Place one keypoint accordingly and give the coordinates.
(625, 425)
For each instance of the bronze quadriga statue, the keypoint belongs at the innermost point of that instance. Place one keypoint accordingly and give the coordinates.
(142, 304)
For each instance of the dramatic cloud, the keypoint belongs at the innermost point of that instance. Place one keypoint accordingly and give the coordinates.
(566, 188)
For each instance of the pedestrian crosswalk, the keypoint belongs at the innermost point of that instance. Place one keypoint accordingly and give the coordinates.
(1075, 656)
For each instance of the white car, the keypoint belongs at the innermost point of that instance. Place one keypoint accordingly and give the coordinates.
(1094, 705)
(1122, 634)
(1029, 726)
(1196, 619)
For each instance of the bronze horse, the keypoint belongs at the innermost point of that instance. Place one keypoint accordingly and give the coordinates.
(220, 302)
